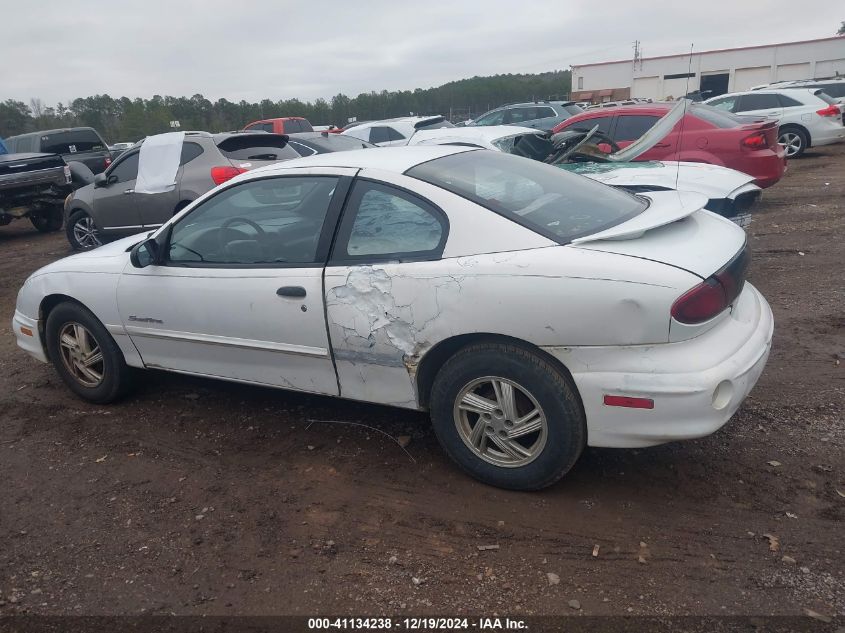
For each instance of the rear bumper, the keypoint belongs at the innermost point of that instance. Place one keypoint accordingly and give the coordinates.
(766, 168)
(696, 385)
(827, 133)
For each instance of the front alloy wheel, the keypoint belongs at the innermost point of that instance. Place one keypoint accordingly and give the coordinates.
(81, 355)
(82, 233)
(500, 421)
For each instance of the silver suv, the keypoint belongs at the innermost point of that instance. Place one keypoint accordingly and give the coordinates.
(109, 207)
(542, 115)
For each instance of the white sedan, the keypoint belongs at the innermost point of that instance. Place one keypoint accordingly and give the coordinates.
(531, 311)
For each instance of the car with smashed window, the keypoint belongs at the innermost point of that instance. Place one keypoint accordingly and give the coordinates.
(704, 135)
(730, 193)
(530, 311)
(113, 207)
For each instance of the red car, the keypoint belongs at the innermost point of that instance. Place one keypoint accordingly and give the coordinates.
(282, 125)
(703, 135)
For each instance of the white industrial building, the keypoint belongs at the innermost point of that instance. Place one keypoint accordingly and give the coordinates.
(718, 71)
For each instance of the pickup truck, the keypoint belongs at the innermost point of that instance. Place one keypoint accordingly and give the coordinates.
(34, 186)
(81, 145)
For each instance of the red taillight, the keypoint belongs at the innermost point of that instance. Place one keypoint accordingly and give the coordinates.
(830, 110)
(755, 141)
(714, 294)
(701, 303)
(221, 174)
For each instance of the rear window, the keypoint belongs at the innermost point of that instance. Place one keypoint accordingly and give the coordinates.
(714, 116)
(72, 142)
(305, 126)
(834, 90)
(573, 109)
(338, 143)
(435, 124)
(545, 199)
(256, 147)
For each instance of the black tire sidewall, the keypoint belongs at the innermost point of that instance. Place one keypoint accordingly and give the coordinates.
(114, 367)
(47, 220)
(566, 423)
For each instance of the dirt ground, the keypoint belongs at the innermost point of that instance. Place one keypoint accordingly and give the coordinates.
(200, 497)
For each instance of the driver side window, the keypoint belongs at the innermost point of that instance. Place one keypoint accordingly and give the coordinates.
(494, 118)
(125, 170)
(272, 221)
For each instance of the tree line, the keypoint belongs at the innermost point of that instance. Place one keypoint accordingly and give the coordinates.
(125, 119)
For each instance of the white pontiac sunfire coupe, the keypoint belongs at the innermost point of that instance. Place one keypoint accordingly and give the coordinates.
(530, 310)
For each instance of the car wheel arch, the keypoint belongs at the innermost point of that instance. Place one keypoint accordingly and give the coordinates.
(436, 357)
(47, 305)
(800, 128)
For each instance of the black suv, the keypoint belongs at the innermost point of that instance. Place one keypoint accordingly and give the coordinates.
(76, 144)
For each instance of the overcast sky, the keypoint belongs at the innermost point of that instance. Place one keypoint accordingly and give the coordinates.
(256, 49)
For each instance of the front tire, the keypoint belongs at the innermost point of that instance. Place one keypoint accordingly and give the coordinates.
(794, 140)
(81, 231)
(47, 220)
(508, 416)
(85, 355)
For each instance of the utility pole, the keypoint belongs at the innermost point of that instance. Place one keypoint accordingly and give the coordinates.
(638, 55)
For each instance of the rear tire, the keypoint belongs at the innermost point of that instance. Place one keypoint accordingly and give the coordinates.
(47, 220)
(508, 416)
(81, 231)
(85, 355)
(794, 140)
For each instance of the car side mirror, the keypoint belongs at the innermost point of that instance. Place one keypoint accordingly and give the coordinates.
(145, 254)
(100, 180)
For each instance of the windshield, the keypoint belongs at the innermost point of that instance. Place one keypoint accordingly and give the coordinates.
(550, 201)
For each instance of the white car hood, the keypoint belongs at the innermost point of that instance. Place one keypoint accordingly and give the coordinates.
(109, 258)
(481, 135)
(714, 181)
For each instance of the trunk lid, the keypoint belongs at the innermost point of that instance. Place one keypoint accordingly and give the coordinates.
(674, 230)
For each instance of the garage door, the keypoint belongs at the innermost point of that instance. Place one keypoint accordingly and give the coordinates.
(747, 78)
(830, 67)
(786, 72)
(646, 88)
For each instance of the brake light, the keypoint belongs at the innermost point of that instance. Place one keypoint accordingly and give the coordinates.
(755, 141)
(714, 294)
(221, 174)
(830, 110)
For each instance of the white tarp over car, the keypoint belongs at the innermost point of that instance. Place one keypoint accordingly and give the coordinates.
(159, 162)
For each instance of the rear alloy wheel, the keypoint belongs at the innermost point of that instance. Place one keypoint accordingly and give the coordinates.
(47, 220)
(81, 232)
(508, 416)
(85, 355)
(793, 140)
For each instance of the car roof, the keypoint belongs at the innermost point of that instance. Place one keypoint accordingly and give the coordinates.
(395, 159)
(486, 133)
(656, 106)
(54, 131)
(401, 119)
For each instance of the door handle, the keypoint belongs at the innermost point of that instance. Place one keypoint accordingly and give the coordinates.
(128, 191)
(291, 291)
(662, 145)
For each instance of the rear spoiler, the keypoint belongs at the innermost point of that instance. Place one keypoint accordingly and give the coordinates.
(429, 121)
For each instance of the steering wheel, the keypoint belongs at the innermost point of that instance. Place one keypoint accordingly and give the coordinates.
(566, 153)
(228, 223)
